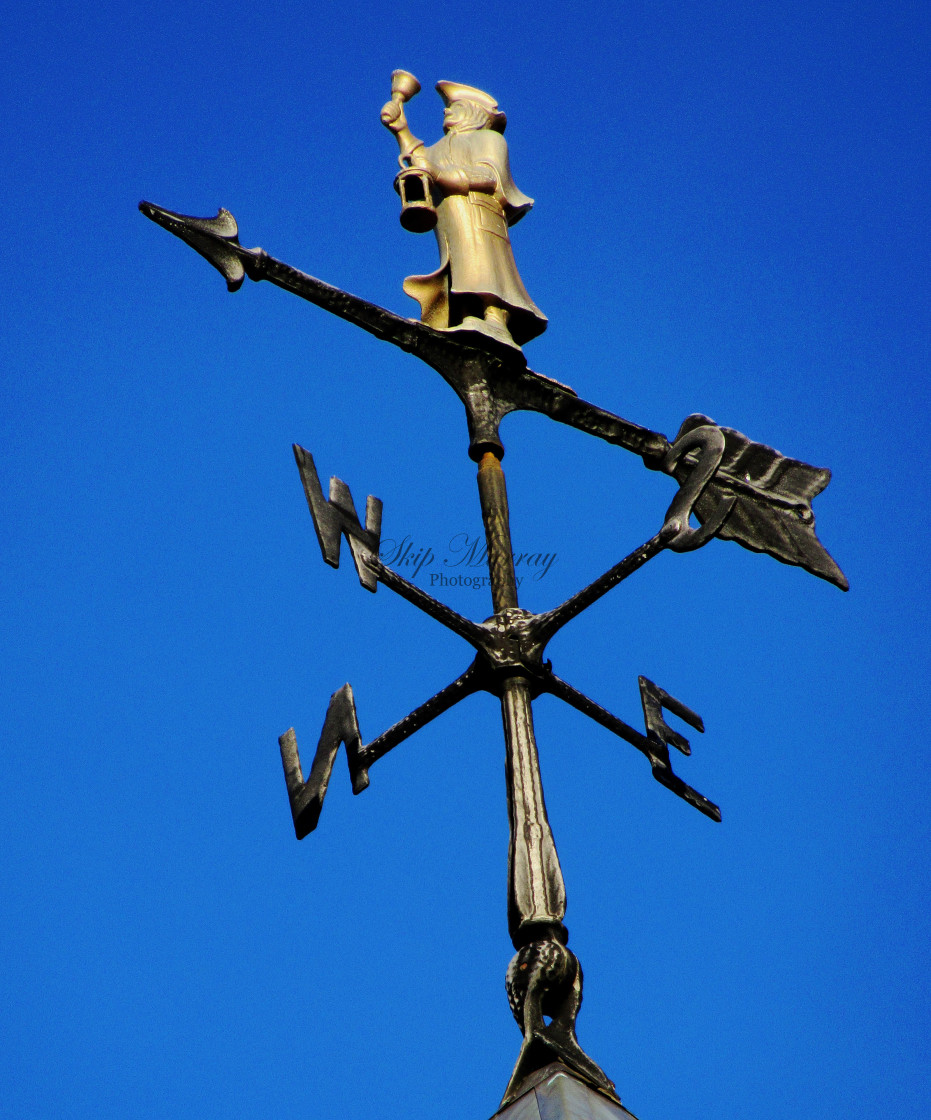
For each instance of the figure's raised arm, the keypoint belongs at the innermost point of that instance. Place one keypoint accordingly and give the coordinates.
(404, 86)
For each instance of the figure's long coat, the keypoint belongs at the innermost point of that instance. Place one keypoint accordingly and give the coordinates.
(472, 233)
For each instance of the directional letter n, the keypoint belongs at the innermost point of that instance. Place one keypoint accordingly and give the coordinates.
(340, 726)
(338, 516)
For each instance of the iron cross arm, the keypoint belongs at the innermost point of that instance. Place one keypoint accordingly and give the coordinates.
(768, 494)
(511, 642)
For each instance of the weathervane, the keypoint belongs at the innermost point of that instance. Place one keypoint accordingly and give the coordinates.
(476, 315)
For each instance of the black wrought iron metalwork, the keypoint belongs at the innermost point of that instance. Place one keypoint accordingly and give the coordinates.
(736, 489)
(772, 512)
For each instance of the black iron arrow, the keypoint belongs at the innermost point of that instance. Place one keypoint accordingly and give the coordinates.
(771, 503)
(490, 379)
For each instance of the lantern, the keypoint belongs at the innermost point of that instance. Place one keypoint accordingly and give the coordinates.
(414, 185)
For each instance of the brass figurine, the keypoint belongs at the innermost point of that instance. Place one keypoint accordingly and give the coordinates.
(462, 188)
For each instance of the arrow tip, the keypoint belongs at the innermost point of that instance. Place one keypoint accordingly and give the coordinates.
(216, 239)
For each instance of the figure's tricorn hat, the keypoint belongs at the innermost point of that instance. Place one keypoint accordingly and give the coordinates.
(456, 91)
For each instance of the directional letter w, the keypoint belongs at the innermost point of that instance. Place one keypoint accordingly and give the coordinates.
(340, 726)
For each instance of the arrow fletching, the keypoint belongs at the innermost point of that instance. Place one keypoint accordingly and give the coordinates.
(772, 501)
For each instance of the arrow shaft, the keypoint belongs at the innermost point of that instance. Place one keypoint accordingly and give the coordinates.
(539, 394)
(376, 320)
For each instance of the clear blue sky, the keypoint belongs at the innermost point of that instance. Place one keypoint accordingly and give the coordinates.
(731, 218)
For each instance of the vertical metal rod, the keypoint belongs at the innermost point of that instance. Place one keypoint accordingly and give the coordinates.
(494, 498)
(536, 892)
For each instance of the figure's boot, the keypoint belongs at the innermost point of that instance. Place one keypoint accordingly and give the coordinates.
(496, 323)
(485, 321)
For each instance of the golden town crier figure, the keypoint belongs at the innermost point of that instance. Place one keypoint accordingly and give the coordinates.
(477, 286)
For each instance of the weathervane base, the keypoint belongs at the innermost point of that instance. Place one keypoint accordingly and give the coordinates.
(555, 1093)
